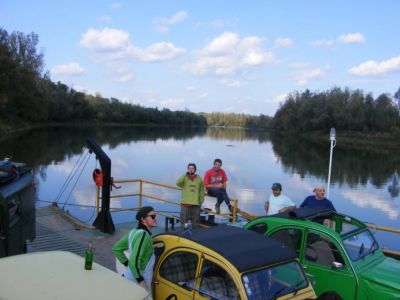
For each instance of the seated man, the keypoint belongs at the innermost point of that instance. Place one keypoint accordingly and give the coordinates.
(215, 181)
(278, 202)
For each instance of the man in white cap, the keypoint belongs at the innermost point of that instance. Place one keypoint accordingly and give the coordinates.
(277, 202)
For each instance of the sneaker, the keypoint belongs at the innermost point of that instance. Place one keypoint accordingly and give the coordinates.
(217, 209)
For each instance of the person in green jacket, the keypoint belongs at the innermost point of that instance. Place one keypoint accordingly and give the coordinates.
(138, 242)
(192, 195)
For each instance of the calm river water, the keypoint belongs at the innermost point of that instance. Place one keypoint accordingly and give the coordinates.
(364, 183)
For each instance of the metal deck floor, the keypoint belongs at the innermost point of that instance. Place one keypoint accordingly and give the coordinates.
(56, 230)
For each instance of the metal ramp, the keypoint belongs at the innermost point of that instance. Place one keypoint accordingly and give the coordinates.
(57, 230)
(49, 240)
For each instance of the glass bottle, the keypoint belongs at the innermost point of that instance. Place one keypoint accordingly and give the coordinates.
(89, 256)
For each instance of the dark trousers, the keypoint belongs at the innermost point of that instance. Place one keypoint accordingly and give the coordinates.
(221, 194)
(191, 213)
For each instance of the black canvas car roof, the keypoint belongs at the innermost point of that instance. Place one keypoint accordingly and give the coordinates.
(245, 249)
(307, 213)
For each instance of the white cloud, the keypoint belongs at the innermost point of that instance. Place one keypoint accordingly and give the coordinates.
(190, 88)
(283, 42)
(375, 68)
(172, 101)
(351, 38)
(204, 95)
(279, 98)
(234, 84)
(303, 77)
(228, 54)
(157, 52)
(162, 24)
(106, 39)
(69, 69)
(323, 42)
(114, 44)
(124, 78)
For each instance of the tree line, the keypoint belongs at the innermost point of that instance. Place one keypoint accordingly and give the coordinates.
(27, 95)
(237, 120)
(343, 109)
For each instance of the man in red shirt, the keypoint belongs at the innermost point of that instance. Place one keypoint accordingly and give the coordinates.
(215, 183)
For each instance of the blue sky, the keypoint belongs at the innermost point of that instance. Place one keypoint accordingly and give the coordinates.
(226, 56)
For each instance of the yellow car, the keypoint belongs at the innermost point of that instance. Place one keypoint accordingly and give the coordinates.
(226, 262)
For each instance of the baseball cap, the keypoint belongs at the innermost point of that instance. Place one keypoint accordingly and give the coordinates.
(276, 186)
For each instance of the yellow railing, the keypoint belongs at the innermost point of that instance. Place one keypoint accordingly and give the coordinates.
(141, 194)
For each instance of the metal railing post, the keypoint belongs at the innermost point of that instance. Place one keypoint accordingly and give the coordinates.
(97, 200)
(140, 192)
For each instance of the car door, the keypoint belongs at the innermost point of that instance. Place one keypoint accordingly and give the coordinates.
(326, 265)
(175, 275)
(216, 281)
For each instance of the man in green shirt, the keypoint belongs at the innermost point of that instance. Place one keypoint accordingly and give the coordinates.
(140, 246)
(192, 195)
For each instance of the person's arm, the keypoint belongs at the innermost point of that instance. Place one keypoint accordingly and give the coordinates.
(224, 179)
(331, 206)
(304, 204)
(266, 207)
(119, 248)
(201, 191)
(288, 205)
(288, 208)
(137, 259)
(181, 181)
(206, 179)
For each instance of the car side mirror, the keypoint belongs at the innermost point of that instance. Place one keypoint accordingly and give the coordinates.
(337, 265)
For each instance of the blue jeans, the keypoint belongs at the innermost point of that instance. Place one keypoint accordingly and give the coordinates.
(221, 194)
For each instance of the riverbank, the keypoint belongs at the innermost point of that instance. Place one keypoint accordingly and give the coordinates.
(357, 140)
(10, 129)
(348, 139)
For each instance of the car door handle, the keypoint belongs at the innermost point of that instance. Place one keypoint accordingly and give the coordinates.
(156, 282)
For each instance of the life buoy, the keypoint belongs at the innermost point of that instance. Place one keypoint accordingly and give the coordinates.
(98, 177)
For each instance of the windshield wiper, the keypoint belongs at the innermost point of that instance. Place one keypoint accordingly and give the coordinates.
(300, 283)
(374, 247)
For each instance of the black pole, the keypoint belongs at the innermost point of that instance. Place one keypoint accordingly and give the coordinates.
(104, 220)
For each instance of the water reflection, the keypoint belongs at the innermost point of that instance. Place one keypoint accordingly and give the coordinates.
(365, 182)
(394, 187)
(350, 166)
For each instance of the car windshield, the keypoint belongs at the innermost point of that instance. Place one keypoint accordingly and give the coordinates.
(274, 282)
(360, 244)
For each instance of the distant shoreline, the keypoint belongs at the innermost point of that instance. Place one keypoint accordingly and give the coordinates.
(353, 139)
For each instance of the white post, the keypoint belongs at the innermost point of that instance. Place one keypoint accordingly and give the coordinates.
(332, 138)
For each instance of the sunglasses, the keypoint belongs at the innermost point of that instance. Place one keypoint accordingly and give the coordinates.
(152, 216)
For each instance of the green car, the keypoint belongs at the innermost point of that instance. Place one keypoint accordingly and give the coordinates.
(339, 253)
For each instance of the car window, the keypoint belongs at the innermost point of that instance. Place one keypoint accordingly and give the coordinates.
(259, 228)
(359, 245)
(275, 281)
(291, 238)
(216, 282)
(321, 250)
(180, 268)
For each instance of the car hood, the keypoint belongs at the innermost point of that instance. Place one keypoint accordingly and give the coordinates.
(386, 272)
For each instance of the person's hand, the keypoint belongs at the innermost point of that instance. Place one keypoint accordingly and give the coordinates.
(143, 284)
